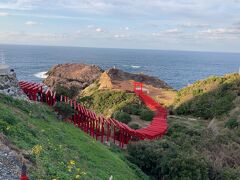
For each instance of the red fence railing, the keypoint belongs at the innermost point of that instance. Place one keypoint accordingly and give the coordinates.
(99, 127)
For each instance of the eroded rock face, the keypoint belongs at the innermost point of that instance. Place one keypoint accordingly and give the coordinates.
(9, 85)
(117, 79)
(113, 78)
(78, 75)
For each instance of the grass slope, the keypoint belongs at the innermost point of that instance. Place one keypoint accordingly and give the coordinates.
(56, 149)
(115, 103)
(212, 97)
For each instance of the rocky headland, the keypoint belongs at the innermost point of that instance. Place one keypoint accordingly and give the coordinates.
(82, 75)
(68, 75)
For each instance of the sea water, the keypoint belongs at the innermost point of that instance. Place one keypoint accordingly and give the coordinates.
(177, 68)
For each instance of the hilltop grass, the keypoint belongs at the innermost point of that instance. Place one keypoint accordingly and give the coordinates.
(208, 98)
(58, 150)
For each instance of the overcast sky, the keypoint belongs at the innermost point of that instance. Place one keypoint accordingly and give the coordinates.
(198, 25)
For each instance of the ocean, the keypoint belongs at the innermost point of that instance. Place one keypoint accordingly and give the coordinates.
(177, 68)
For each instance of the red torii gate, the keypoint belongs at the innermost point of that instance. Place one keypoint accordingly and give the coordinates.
(138, 87)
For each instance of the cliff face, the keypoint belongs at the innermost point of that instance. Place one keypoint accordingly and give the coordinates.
(117, 79)
(67, 75)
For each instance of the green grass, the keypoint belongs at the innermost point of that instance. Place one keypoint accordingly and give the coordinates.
(110, 102)
(66, 151)
(105, 102)
(213, 97)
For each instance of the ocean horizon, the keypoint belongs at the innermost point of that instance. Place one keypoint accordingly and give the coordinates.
(177, 68)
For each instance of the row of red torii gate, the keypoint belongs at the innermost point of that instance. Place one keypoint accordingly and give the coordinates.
(100, 128)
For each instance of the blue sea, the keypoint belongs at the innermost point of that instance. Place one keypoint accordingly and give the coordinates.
(177, 68)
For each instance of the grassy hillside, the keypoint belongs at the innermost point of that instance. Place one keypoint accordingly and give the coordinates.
(58, 150)
(209, 98)
(118, 104)
(106, 101)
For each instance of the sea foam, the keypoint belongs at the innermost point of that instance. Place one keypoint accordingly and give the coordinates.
(135, 66)
(41, 75)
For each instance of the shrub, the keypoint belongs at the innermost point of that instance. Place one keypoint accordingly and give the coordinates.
(122, 117)
(146, 114)
(64, 109)
(212, 97)
(232, 123)
(87, 101)
(3, 126)
(107, 102)
(69, 92)
(132, 109)
(209, 105)
(134, 126)
(166, 160)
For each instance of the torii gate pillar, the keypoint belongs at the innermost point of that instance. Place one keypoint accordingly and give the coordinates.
(138, 87)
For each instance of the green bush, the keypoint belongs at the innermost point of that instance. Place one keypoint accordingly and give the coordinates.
(212, 104)
(208, 98)
(64, 109)
(134, 126)
(166, 160)
(122, 117)
(232, 123)
(146, 114)
(86, 101)
(229, 174)
(107, 102)
(132, 109)
(69, 92)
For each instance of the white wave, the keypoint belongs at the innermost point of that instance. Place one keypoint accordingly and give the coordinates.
(132, 66)
(135, 66)
(41, 75)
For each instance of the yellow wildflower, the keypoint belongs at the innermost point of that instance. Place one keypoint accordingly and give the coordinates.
(72, 162)
(37, 149)
(83, 173)
(77, 176)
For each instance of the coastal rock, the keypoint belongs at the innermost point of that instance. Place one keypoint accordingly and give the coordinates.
(68, 75)
(9, 85)
(115, 78)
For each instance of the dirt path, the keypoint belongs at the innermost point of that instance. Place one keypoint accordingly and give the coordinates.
(140, 122)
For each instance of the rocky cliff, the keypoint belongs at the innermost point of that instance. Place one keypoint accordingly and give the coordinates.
(116, 78)
(77, 75)
(9, 85)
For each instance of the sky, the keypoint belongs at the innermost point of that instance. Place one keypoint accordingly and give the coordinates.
(195, 25)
